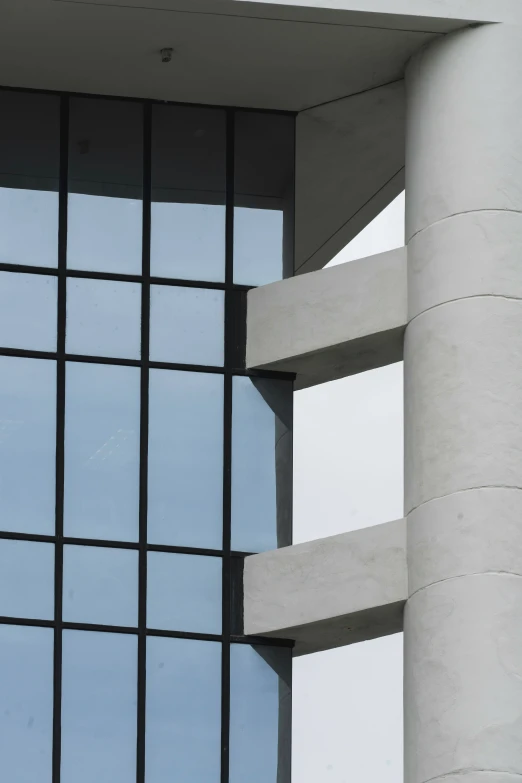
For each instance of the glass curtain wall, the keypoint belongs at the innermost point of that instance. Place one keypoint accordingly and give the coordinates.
(139, 461)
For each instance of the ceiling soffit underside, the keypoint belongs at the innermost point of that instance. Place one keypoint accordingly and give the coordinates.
(218, 59)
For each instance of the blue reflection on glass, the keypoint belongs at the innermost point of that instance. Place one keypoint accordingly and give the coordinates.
(26, 703)
(184, 592)
(103, 318)
(26, 579)
(105, 185)
(188, 178)
(185, 459)
(104, 233)
(183, 719)
(258, 246)
(27, 445)
(102, 428)
(99, 689)
(188, 241)
(260, 714)
(28, 311)
(261, 464)
(29, 227)
(29, 164)
(187, 325)
(100, 585)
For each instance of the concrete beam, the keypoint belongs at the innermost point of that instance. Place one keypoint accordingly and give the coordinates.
(332, 323)
(331, 592)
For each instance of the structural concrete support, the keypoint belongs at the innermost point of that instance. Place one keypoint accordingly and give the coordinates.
(330, 592)
(463, 410)
(332, 323)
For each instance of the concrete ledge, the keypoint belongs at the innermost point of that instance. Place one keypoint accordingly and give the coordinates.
(331, 592)
(333, 323)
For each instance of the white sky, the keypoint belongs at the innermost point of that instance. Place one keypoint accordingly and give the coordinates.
(347, 713)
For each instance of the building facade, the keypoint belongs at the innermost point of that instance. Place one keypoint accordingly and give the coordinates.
(140, 460)
(173, 176)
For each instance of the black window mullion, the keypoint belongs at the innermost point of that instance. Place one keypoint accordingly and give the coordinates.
(144, 443)
(60, 434)
(227, 445)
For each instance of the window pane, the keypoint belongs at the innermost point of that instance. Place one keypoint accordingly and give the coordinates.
(105, 186)
(27, 444)
(102, 433)
(185, 459)
(27, 579)
(99, 685)
(184, 592)
(28, 311)
(260, 714)
(264, 198)
(103, 318)
(26, 703)
(188, 193)
(183, 720)
(261, 464)
(100, 585)
(29, 174)
(187, 325)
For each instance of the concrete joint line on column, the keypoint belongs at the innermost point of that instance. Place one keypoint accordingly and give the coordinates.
(464, 576)
(473, 771)
(464, 299)
(458, 214)
(460, 491)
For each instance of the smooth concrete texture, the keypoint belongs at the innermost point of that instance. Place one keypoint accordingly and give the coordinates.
(463, 392)
(330, 592)
(427, 12)
(464, 95)
(470, 532)
(463, 417)
(463, 677)
(473, 254)
(332, 323)
(329, 210)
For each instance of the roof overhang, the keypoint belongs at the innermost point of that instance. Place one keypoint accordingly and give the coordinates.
(337, 63)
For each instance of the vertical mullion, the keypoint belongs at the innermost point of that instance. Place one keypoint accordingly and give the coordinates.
(144, 443)
(60, 434)
(227, 445)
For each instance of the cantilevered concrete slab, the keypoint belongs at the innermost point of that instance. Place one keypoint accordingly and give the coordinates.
(331, 323)
(332, 592)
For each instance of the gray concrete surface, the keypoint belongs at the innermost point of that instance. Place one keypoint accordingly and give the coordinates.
(332, 323)
(331, 592)
(463, 417)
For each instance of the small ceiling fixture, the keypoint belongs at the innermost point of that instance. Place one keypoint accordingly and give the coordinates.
(166, 55)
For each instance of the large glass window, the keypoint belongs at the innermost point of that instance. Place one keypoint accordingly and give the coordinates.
(188, 193)
(105, 209)
(139, 459)
(26, 703)
(29, 175)
(263, 198)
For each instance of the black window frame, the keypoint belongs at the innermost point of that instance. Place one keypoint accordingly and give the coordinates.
(234, 365)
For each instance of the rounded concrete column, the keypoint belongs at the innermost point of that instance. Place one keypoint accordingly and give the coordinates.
(463, 410)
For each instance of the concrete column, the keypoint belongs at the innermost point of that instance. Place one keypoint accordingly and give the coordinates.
(463, 410)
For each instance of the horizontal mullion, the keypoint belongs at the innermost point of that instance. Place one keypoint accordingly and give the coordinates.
(131, 630)
(109, 544)
(26, 621)
(42, 539)
(121, 277)
(151, 101)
